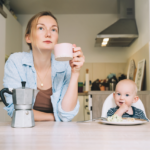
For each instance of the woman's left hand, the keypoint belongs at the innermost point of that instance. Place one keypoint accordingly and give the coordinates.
(78, 59)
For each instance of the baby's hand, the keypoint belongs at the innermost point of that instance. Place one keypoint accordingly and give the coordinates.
(123, 108)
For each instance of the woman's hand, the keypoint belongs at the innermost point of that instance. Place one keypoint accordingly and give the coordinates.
(78, 59)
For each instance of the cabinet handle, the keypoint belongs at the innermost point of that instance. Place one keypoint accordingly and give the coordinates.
(87, 100)
(86, 106)
(88, 113)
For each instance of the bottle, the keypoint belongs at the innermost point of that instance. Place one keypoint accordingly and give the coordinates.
(112, 85)
(87, 80)
(106, 85)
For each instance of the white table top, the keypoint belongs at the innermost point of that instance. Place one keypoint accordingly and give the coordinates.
(74, 136)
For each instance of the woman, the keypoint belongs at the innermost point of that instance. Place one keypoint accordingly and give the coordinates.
(57, 81)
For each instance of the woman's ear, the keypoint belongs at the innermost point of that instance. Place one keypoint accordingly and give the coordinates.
(28, 40)
(136, 98)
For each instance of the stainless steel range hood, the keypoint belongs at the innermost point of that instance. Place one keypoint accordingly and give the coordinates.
(123, 32)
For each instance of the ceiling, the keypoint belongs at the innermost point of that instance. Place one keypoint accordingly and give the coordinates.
(65, 6)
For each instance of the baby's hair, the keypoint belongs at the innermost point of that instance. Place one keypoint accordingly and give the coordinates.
(135, 86)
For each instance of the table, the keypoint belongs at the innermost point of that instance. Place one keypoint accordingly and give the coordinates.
(74, 136)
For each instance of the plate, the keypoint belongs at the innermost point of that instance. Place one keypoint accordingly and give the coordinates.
(125, 122)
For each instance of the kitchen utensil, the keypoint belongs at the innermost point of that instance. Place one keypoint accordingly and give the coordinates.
(63, 52)
(22, 99)
(112, 85)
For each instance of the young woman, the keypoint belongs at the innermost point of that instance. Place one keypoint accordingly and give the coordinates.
(57, 81)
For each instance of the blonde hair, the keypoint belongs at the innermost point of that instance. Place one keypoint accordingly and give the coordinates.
(33, 21)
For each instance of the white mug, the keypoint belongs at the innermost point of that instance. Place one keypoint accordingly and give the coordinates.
(63, 52)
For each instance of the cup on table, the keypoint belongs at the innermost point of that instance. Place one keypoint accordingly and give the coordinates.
(63, 52)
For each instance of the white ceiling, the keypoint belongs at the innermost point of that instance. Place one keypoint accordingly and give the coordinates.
(65, 6)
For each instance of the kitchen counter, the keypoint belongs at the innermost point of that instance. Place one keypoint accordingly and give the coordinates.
(109, 92)
(83, 94)
(74, 136)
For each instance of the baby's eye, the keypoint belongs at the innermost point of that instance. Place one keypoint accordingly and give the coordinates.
(127, 94)
(118, 93)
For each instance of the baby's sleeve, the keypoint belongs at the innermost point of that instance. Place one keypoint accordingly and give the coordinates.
(142, 116)
(110, 112)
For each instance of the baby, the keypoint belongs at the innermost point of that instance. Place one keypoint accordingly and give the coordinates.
(125, 95)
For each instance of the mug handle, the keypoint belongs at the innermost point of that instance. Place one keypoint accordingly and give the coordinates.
(5, 90)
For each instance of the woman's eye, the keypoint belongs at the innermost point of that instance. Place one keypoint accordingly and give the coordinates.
(118, 93)
(53, 30)
(40, 28)
(127, 94)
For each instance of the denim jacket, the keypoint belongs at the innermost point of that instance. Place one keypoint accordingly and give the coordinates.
(20, 67)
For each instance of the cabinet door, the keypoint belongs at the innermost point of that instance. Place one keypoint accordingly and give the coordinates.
(86, 108)
(80, 115)
(97, 104)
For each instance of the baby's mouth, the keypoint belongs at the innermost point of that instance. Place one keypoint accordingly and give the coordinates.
(121, 103)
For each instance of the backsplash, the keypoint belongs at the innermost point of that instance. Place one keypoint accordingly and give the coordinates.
(101, 70)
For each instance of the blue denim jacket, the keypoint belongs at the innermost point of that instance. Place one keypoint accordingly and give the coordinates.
(20, 67)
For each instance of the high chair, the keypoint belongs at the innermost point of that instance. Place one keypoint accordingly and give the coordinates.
(110, 103)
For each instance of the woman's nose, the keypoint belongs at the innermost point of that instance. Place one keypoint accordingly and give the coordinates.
(48, 33)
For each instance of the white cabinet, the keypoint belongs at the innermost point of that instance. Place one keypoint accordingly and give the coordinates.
(13, 34)
(10, 39)
(80, 115)
(86, 108)
(84, 113)
(2, 47)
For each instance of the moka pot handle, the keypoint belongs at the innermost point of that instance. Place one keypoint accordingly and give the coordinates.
(5, 90)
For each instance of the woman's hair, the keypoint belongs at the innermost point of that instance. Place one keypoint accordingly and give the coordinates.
(33, 21)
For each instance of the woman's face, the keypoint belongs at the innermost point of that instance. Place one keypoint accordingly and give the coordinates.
(46, 33)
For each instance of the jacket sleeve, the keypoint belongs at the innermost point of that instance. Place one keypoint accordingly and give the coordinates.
(63, 115)
(11, 80)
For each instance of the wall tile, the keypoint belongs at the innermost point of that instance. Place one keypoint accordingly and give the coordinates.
(83, 72)
(99, 71)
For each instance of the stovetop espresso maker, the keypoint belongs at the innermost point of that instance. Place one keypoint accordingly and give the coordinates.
(22, 99)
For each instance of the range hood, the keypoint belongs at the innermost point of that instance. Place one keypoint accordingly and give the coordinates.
(124, 31)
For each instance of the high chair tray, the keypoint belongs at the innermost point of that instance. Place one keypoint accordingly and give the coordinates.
(125, 122)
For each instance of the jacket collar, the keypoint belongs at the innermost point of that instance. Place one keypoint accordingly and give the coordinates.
(56, 65)
(28, 58)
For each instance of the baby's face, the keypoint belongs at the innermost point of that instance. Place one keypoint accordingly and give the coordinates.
(125, 93)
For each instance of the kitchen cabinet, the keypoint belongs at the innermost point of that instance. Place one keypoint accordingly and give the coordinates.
(84, 113)
(10, 39)
(13, 36)
(98, 98)
(2, 47)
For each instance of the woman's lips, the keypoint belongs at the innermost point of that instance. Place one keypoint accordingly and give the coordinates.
(47, 42)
